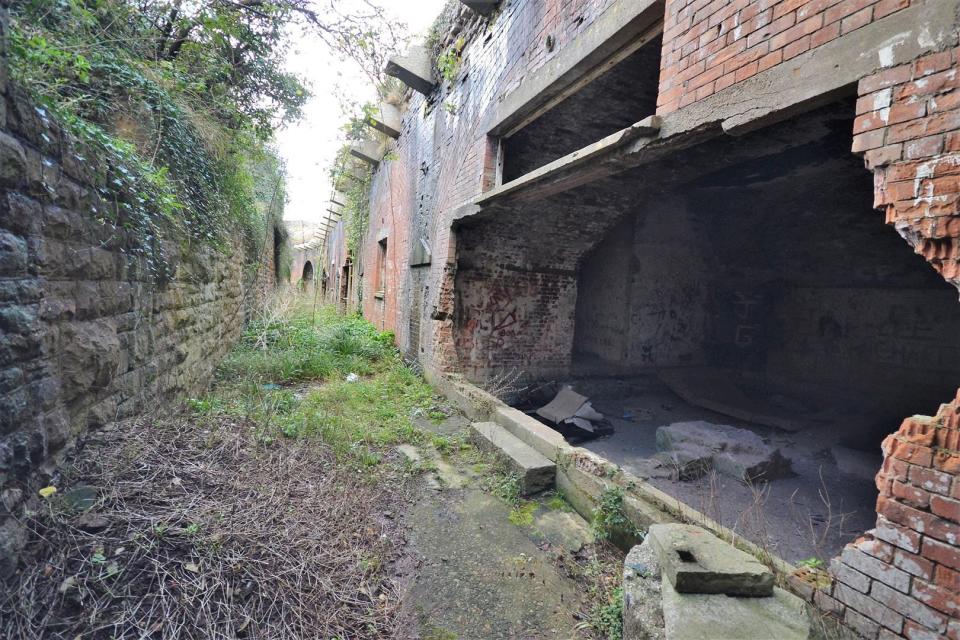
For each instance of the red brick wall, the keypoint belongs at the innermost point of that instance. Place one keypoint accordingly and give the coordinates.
(908, 128)
(902, 579)
(709, 45)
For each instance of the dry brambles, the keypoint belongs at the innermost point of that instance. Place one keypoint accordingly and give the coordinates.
(210, 532)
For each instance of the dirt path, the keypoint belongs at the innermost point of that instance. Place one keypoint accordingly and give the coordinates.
(482, 569)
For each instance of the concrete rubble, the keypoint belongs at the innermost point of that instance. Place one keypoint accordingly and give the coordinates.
(662, 600)
(696, 447)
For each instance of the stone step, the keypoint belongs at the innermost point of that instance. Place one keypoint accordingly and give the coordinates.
(536, 472)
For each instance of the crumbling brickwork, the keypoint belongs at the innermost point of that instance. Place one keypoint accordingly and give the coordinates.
(908, 128)
(901, 579)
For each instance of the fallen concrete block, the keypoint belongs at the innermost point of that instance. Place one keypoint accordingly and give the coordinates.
(415, 69)
(721, 617)
(536, 473)
(387, 119)
(734, 452)
(696, 561)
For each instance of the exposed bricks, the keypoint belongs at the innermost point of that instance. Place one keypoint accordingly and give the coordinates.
(903, 578)
(709, 45)
(908, 119)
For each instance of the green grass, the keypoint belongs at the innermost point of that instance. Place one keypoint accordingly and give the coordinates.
(316, 352)
(307, 347)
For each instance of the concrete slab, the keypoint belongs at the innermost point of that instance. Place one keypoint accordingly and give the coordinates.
(415, 69)
(368, 151)
(720, 617)
(642, 613)
(536, 472)
(696, 561)
(387, 119)
(732, 451)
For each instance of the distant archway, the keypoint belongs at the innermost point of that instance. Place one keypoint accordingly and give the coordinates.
(307, 278)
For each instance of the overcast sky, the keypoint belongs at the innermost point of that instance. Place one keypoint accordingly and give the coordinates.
(310, 146)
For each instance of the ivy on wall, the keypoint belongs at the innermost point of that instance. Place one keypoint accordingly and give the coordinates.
(179, 112)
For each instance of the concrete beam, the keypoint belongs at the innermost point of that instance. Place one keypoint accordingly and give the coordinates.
(623, 22)
(415, 69)
(338, 197)
(483, 7)
(387, 119)
(368, 151)
(810, 80)
(649, 127)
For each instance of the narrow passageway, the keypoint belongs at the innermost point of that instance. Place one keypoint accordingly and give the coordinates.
(319, 489)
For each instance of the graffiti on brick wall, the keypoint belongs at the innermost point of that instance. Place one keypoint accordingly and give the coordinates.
(662, 325)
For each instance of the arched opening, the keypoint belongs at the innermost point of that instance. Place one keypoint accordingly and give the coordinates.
(307, 279)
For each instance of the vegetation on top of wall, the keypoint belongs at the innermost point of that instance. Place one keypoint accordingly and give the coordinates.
(178, 105)
(180, 100)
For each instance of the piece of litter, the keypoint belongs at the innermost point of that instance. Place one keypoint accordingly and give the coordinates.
(352, 377)
(46, 492)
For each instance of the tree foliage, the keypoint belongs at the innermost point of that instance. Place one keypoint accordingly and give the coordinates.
(182, 97)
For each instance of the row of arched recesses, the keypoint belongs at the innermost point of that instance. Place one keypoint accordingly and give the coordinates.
(745, 282)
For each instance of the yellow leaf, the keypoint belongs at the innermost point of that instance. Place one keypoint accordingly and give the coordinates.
(46, 492)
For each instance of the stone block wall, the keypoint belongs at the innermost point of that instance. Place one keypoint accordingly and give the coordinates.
(710, 45)
(87, 334)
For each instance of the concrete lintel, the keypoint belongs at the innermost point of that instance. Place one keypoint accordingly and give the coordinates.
(415, 69)
(368, 151)
(338, 197)
(591, 154)
(822, 74)
(387, 119)
(622, 22)
(812, 79)
(483, 7)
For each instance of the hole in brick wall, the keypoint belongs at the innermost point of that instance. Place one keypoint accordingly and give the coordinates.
(307, 275)
(746, 282)
(766, 294)
(618, 98)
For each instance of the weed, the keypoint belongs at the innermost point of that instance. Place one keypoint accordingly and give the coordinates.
(441, 443)
(449, 61)
(555, 501)
(607, 619)
(811, 563)
(505, 486)
(522, 514)
(609, 517)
